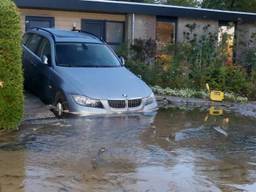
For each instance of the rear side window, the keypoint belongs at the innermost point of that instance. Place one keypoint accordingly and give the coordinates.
(34, 43)
(26, 38)
(45, 50)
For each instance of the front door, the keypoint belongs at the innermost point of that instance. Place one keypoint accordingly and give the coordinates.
(33, 22)
(95, 27)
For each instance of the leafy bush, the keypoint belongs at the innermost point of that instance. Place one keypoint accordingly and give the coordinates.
(189, 65)
(190, 93)
(11, 93)
(138, 51)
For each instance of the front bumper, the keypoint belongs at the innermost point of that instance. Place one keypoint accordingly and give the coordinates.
(80, 110)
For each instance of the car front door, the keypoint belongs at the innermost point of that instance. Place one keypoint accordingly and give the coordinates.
(45, 70)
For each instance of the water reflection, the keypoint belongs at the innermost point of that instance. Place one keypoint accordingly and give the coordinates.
(219, 157)
(217, 120)
(177, 150)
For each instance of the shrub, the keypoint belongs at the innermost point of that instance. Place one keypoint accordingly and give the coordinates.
(190, 64)
(11, 94)
(189, 93)
(144, 50)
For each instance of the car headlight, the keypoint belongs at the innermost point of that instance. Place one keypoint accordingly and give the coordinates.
(149, 100)
(87, 102)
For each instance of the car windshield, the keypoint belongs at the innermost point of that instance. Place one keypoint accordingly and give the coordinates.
(85, 55)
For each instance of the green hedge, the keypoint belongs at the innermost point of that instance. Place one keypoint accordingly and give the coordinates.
(11, 94)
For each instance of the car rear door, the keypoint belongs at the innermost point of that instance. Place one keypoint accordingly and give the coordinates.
(31, 60)
(25, 62)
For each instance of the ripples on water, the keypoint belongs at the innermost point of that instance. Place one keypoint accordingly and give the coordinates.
(176, 150)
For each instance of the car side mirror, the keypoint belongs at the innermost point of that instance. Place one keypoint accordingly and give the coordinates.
(122, 60)
(45, 60)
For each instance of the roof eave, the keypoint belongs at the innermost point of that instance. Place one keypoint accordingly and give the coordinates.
(137, 8)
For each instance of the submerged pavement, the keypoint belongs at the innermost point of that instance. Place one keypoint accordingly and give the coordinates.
(247, 109)
(35, 109)
(176, 150)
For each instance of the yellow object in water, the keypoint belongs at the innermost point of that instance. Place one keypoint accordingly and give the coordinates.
(216, 111)
(215, 95)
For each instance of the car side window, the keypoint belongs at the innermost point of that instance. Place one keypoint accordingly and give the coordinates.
(45, 50)
(34, 43)
(26, 38)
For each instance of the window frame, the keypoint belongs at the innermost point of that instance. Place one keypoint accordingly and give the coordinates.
(104, 22)
(226, 23)
(39, 18)
(168, 20)
(123, 36)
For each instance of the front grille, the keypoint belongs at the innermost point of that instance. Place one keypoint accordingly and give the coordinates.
(118, 104)
(134, 103)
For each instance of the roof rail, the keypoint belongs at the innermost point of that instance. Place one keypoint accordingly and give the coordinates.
(81, 31)
(43, 29)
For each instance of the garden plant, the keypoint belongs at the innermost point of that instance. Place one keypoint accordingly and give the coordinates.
(185, 67)
(11, 77)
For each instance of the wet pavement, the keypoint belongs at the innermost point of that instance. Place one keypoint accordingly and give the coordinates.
(34, 108)
(176, 150)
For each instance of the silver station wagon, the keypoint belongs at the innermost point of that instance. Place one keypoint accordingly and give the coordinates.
(77, 73)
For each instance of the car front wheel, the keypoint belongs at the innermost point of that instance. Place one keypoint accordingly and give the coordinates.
(59, 109)
(60, 106)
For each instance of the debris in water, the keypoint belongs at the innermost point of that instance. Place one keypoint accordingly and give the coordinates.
(220, 130)
(96, 160)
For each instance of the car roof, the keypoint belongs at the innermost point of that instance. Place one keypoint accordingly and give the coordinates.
(59, 35)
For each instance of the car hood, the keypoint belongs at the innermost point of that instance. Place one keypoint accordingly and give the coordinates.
(105, 83)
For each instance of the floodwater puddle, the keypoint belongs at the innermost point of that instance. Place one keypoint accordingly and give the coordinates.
(174, 150)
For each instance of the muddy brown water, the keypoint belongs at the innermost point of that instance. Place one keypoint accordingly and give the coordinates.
(176, 150)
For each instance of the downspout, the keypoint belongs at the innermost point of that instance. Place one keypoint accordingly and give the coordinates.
(133, 27)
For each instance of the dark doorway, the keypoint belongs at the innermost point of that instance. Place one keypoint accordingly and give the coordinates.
(32, 22)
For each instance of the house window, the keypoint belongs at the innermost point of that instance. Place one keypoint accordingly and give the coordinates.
(226, 38)
(95, 27)
(34, 21)
(165, 31)
(110, 31)
(114, 33)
